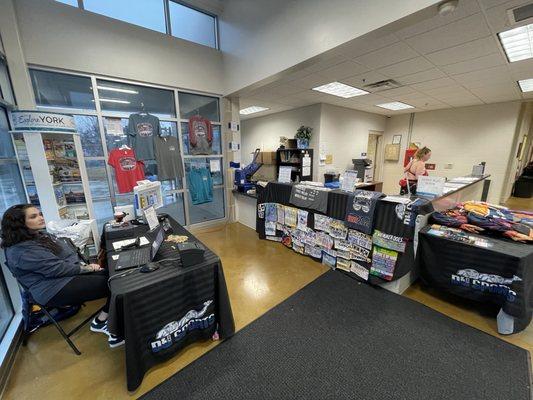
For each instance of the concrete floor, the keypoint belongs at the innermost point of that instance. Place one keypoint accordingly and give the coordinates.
(259, 275)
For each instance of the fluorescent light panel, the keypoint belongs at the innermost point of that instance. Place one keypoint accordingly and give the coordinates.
(340, 90)
(117, 89)
(395, 105)
(526, 85)
(518, 43)
(252, 110)
(115, 101)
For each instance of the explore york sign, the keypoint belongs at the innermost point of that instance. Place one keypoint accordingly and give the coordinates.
(43, 121)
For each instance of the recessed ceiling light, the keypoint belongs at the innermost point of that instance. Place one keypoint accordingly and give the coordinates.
(340, 90)
(115, 101)
(518, 43)
(395, 105)
(526, 85)
(117, 89)
(252, 110)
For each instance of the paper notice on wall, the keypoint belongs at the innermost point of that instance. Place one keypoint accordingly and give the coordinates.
(284, 175)
(306, 171)
(214, 165)
(113, 126)
(306, 161)
(329, 158)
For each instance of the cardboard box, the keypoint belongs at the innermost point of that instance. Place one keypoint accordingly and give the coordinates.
(267, 157)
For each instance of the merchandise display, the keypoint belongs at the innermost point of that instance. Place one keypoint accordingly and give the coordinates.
(200, 184)
(168, 157)
(477, 217)
(128, 170)
(200, 135)
(142, 130)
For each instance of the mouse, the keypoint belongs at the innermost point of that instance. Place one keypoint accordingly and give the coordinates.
(150, 267)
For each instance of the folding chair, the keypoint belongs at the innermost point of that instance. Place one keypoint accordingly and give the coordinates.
(27, 310)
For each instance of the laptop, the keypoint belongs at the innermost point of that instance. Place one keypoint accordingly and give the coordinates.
(142, 255)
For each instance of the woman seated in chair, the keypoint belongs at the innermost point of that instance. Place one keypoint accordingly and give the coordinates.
(50, 268)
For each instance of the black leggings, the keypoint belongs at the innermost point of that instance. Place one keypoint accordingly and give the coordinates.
(82, 288)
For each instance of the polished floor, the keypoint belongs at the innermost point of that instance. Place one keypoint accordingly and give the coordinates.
(259, 275)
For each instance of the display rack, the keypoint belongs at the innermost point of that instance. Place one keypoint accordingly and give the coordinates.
(52, 165)
(300, 161)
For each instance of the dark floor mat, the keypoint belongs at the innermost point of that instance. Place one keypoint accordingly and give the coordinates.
(339, 339)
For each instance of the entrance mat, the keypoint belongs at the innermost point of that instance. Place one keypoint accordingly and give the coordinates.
(340, 339)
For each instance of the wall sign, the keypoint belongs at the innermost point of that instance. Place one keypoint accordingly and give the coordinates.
(43, 121)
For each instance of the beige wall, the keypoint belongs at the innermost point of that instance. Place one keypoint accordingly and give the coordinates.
(264, 132)
(462, 137)
(344, 134)
(56, 35)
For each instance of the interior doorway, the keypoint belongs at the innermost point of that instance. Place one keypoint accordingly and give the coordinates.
(374, 152)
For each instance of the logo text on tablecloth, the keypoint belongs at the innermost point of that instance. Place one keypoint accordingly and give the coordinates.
(174, 331)
(488, 283)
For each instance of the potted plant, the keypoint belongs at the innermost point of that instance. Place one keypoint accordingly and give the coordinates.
(303, 136)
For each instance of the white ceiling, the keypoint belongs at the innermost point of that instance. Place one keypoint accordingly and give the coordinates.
(441, 62)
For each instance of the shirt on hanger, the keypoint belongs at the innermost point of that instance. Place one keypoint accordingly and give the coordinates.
(200, 185)
(127, 169)
(142, 130)
(168, 156)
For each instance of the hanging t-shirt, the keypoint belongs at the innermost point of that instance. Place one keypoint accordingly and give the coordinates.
(168, 156)
(200, 135)
(200, 185)
(127, 169)
(142, 129)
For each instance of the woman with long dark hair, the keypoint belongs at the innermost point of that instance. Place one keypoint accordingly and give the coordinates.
(50, 268)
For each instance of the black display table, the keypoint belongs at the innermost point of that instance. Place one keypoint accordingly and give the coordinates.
(161, 312)
(387, 219)
(501, 274)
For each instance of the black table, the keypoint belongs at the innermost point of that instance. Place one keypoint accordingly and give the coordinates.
(161, 312)
(457, 268)
(386, 220)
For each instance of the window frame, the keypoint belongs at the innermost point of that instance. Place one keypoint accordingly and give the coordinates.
(101, 115)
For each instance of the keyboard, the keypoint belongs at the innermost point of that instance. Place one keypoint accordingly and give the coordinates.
(138, 257)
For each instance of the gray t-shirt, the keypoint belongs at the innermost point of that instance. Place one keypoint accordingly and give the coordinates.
(168, 156)
(142, 129)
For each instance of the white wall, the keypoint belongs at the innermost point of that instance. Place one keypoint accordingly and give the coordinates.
(463, 137)
(264, 132)
(56, 35)
(263, 37)
(344, 134)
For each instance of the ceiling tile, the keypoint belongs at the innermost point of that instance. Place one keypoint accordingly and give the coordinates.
(493, 75)
(391, 93)
(491, 60)
(366, 44)
(521, 69)
(343, 70)
(371, 99)
(387, 56)
(284, 90)
(310, 81)
(497, 90)
(433, 84)
(458, 32)
(497, 15)
(321, 62)
(467, 51)
(464, 9)
(455, 90)
(403, 68)
(361, 80)
(428, 75)
(464, 102)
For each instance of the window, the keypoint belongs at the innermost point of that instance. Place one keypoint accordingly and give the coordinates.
(215, 144)
(195, 104)
(126, 98)
(189, 24)
(91, 141)
(146, 13)
(103, 210)
(53, 89)
(208, 211)
(184, 22)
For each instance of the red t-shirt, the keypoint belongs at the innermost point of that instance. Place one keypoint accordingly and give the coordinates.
(127, 169)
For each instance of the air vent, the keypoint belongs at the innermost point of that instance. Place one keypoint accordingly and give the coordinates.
(382, 85)
(520, 14)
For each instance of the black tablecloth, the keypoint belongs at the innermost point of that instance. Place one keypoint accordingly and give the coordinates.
(194, 299)
(441, 261)
(386, 220)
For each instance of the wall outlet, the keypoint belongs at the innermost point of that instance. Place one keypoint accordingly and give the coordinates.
(448, 166)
